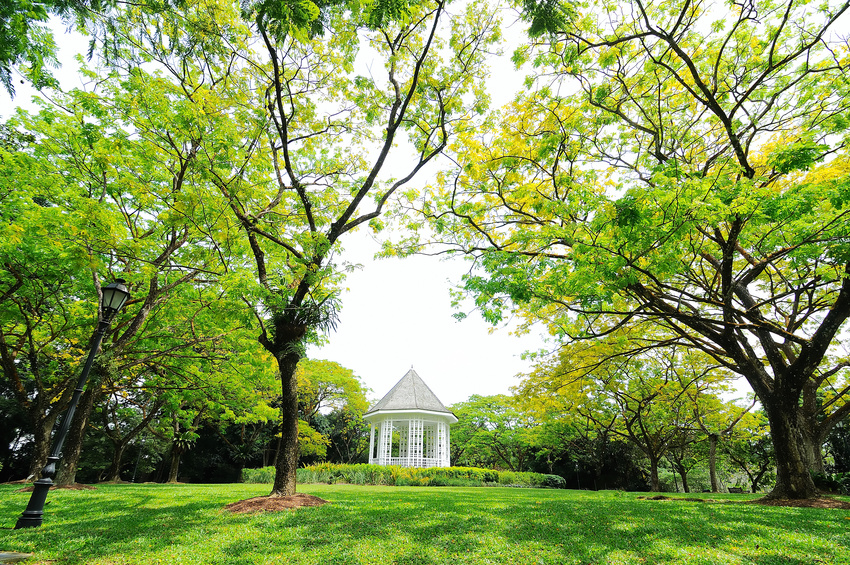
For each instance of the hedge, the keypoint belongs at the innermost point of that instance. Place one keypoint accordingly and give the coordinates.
(362, 474)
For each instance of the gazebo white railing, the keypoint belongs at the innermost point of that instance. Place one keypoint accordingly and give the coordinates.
(409, 442)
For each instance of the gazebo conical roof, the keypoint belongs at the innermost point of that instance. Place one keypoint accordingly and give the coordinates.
(410, 393)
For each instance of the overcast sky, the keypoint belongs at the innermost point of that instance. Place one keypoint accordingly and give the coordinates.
(396, 313)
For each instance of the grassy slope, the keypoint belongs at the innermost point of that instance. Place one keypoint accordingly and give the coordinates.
(409, 525)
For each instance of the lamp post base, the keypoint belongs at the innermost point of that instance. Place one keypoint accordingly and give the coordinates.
(32, 516)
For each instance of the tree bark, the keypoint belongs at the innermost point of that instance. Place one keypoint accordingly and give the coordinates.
(286, 461)
(67, 474)
(655, 483)
(793, 479)
(41, 449)
(712, 461)
(176, 452)
(812, 444)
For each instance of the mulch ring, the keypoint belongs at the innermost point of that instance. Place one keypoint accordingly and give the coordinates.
(275, 503)
(75, 486)
(822, 502)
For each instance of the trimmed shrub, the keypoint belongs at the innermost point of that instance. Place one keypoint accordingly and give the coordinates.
(262, 476)
(362, 474)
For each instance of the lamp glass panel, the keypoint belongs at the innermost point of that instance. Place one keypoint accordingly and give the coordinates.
(114, 297)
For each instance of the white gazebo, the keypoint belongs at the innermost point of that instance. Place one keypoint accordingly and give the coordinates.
(412, 426)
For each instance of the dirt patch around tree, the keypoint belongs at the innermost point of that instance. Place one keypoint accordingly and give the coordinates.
(821, 502)
(275, 503)
(75, 486)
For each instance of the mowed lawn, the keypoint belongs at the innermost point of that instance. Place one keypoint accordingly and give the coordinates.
(150, 524)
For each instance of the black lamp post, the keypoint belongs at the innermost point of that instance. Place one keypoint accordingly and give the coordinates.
(115, 295)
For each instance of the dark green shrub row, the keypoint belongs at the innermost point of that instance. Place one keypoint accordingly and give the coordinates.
(404, 476)
(264, 475)
(835, 483)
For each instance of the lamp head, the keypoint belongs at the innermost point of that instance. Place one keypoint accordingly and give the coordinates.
(115, 295)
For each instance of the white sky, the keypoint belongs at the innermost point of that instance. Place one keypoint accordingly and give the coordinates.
(396, 313)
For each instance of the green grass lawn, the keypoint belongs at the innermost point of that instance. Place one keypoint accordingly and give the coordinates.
(150, 524)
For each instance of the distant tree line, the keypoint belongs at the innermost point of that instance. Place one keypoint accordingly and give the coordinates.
(203, 441)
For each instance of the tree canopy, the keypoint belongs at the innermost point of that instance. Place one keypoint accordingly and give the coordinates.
(677, 165)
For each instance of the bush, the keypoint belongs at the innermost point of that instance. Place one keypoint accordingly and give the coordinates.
(837, 483)
(826, 482)
(260, 476)
(362, 474)
(554, 481)
(433, 476)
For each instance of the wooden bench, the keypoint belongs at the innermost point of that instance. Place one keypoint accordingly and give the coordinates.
(736, 490)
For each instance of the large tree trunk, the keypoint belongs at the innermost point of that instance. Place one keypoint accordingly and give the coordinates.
(176, 452)
(684, 475)
(286, 461)
(813, 439)
(67, 474)
(655, 484)
(43, 435)
(793, 478)
(712, 462)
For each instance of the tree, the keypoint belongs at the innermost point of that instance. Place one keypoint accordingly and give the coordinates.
(492, 432)
(650, 403)
(39, 343)
(682, 167)
(111, 186)
(25, 40)
(326, 137)
(753, 452)
(348, 435)
(682, 456)
(302, 160)
(328, 385)
(125, 417)
(651, 397)
(717, 420)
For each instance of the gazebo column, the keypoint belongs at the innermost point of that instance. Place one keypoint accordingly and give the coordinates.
(371, 442)
(448, 443)
(443, 444)
(385, 444)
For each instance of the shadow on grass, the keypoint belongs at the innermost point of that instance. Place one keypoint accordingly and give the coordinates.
(564, 528)
(417, 526)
